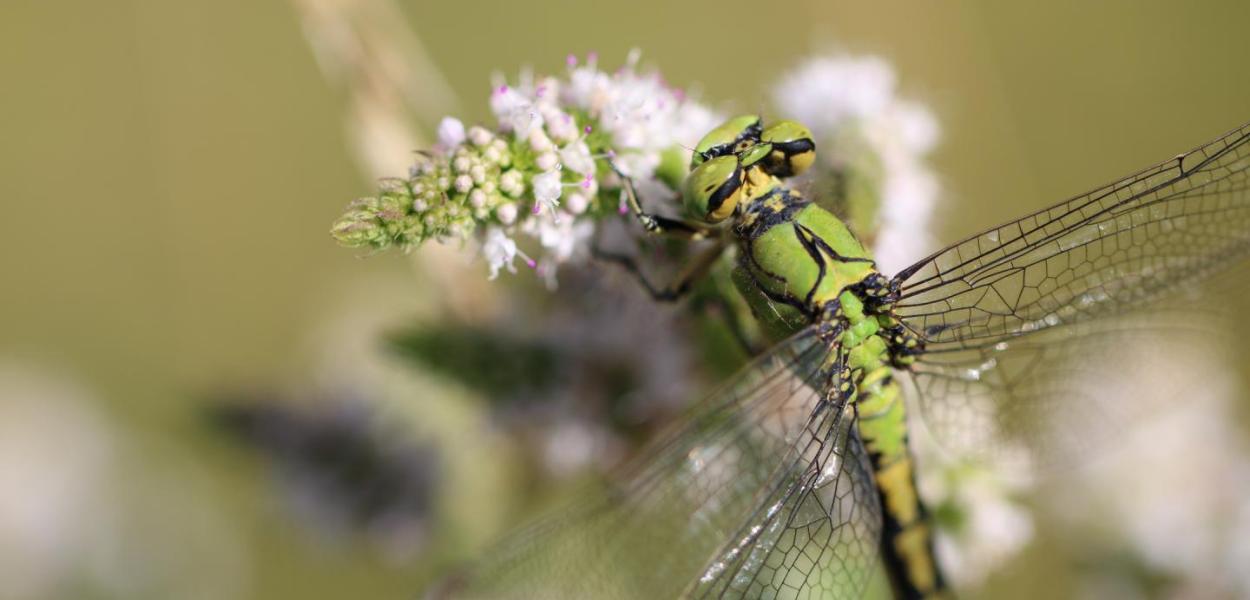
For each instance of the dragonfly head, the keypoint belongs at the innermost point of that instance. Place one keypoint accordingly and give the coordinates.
(732, 137)
(714, 188)
(739, 154)
(790, 149)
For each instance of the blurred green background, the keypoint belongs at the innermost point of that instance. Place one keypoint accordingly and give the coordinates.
(169, 171)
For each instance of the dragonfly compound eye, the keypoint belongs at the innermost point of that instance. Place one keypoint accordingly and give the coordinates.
(714, 188)
(793, 150)
(733, 136)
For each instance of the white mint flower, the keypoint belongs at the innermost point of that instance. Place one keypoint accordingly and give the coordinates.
(996, 526)
(539, 142)
(577, 203)
(916, 128)
(500, 251)
(547, 188)
(450, 132)
(561, 236)
(690, 121)
(547, 161)
(638, 166)
(479, 136)
(515, 112)
(546, 271)
(577, 158)
(512, 183)
(560, 124)
(588, 85)
(507, 213)
(642, 114)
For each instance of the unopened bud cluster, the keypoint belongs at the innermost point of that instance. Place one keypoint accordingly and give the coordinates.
(485, 178)
(540, 172)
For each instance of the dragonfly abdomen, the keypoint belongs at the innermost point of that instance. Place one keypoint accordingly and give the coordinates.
(882, 421)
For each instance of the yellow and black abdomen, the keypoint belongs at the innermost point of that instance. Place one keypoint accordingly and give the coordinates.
(907, 534)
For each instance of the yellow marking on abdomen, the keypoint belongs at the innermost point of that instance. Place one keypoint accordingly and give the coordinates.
(884, 432)
(895, 481)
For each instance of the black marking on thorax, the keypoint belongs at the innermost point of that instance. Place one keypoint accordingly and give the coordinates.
(778, 206)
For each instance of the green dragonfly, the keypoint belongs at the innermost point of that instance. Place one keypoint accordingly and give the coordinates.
(796, 477)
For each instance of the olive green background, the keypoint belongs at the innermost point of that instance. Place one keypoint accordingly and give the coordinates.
(169, 170)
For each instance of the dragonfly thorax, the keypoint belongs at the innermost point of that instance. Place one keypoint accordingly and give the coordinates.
(795, 258)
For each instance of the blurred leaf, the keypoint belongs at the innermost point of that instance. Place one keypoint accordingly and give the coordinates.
(494, 363)
(334, 456)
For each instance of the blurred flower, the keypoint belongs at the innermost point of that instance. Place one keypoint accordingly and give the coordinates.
(562, 237)
(1171, 493)
(550, 134)
(55, 453)
(873, 145)
(450, 132)
(89, 509)
(982, 520)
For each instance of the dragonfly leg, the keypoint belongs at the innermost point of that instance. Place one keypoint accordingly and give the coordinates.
(674, 290)
(656, 224)
(748, 340)
(735, 320)
(660, 225)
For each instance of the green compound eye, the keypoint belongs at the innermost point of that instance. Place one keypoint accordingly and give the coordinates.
(754, 154)
(714, 188)
(793, 150)
(731, 137)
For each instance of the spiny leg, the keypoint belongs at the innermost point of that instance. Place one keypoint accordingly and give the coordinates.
(656, 224)
(684, 283)
(675, 289)
(659, 225)
(733, 318)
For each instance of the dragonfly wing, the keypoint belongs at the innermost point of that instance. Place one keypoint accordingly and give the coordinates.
(688, 516)
(1052, 398)
(1118, 247)
(814, 536)
(1012, 317)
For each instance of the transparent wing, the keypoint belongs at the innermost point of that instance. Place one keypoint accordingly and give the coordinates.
(1116, 247)
(1052, 398)
(1019, 321)
(762, 490)
(823, 540)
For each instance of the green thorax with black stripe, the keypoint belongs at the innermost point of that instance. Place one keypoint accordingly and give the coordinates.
(794, 258)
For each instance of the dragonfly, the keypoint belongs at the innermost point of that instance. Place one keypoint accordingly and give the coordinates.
(796, 478)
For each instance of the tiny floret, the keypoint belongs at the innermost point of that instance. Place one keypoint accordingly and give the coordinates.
(547, 189)
(450, 132)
